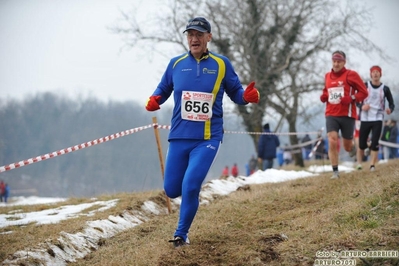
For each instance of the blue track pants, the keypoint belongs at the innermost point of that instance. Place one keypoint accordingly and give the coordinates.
(187, 164)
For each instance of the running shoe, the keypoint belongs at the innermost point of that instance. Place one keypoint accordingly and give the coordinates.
(367, 152)
(335, 175)
(178, 241)
(359, 167)
(372, 168)
(353, 151)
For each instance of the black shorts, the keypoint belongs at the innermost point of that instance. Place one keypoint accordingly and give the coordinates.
(341, 123)
(367, 127)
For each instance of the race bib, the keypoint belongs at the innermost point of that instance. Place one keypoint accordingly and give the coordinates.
(196, 106)
(335, 94)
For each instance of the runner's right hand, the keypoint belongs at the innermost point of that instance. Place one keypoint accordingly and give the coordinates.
(153, 103)
(324, 98)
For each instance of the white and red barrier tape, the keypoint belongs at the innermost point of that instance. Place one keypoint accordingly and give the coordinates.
(75, 148)
(137, 129)
(388, 144)
(314, 148)
(272, 133)
(115, 136)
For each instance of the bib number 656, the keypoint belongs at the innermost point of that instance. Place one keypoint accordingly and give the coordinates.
(196, 107)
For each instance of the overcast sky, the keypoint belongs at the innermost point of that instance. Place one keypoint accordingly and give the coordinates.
(65, 47)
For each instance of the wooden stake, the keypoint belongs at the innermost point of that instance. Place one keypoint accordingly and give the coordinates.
(154, 121)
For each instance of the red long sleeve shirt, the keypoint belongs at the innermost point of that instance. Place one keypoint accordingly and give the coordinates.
(343, 83)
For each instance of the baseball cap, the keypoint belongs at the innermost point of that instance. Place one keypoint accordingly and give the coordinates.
(199, 24)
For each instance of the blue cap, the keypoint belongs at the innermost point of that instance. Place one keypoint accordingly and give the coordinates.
(199, 24)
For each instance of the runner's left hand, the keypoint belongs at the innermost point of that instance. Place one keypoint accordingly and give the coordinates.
(251, 94)
(346, 100)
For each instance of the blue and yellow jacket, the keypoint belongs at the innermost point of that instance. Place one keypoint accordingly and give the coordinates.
(213, 74)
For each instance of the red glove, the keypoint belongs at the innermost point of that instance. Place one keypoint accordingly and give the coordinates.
(153, 103)
(251, 94)
(324, 98)
(346, 100)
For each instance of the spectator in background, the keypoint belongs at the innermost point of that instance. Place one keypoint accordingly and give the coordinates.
(6, 192)
(287, 156)
(225, 172)
(320, 148)
(385, 137)
(2, 190)
(267, 148)
(393, 138)
(234, 170)
(253, 165)
(307, 148)
(280, 157)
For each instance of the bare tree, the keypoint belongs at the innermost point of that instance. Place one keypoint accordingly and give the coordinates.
(283, 45)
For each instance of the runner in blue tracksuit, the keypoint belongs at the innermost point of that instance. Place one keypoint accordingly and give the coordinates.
(198, 80)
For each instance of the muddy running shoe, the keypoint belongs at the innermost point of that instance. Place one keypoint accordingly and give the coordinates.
(178, 242)
(359, 167)
(353, 151)
(335, 175)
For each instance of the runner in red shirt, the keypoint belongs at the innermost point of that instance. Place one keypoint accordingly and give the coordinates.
(343, 87)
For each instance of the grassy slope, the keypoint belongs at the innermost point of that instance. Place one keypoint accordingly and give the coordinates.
(270, 224)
